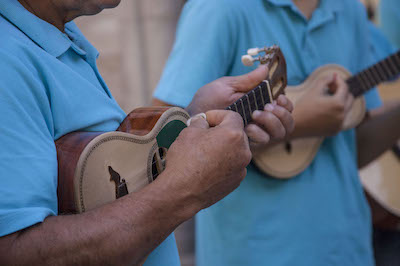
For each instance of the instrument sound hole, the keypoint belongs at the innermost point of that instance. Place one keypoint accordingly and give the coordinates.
(154, 169)
(396, 150)
(288, 147)
(162, 152)
(158, 162)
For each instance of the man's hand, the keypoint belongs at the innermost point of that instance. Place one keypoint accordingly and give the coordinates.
(322, 109)
(379, 131)
(275, 122)
(205, 163)
(209, 158)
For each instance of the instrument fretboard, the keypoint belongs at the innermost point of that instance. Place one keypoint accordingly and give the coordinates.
(384, 70)
(254, 100)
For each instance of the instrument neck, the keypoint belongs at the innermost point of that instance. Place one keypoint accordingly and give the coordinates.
(254, 100)
(384, 70)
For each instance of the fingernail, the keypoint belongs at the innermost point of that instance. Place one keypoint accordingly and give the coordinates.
(196, 117)
(269, 107)
(256, 114)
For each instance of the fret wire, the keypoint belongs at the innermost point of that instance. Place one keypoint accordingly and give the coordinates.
(390, 67)
(383, 70)
(371, 77)
(379, 71)
(255, 99)
(366, 78)
(237, 111)
(361, 82)
(248, 101)
(262, 96)
(396, 69)
(270, 97)
(370, 83)
(244, 112)
(230, 108)
(375, 75)
(396, 58)
(387, 69)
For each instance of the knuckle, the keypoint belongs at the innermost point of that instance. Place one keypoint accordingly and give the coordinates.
(339, 106)
(247, 157)
(235, 135)
(236, 116)
(281, 133)
(222, 80)
(280, 111)
(266, 119)
(278, 131)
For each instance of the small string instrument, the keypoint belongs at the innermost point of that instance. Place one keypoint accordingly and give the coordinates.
(95, 168)
(290, 159)
(381, 182)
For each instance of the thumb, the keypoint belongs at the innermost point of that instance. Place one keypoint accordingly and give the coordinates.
(325, 84)
(249, 81)
(198, 121)
(224, 118)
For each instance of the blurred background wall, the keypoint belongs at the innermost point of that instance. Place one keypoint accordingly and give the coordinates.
(134, 41)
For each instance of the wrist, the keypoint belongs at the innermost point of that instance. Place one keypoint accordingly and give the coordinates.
(181, 202)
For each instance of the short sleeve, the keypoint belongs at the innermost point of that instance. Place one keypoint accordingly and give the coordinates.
(202, 51)
(28, 160)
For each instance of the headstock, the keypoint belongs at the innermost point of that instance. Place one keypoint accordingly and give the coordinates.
(271, 56)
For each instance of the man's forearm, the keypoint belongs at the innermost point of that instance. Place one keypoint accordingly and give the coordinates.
(378, 133)
(123, 232)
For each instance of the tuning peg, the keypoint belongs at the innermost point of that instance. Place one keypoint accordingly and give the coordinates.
(253, 51)
(248, 60)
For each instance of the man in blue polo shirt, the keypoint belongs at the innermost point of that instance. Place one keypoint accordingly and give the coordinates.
(321, 216)
(50, 86)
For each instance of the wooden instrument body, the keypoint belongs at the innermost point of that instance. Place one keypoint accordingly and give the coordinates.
(135, 152)
(281, 162)
(381, 182)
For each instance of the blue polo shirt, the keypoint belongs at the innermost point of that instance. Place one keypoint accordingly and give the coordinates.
(49, 86)
(319, 217)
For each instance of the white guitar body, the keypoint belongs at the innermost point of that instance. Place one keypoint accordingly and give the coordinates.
(282, 162)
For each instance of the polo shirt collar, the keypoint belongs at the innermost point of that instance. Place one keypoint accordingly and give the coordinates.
(281, 2)
(39, 31)
(326, 5)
